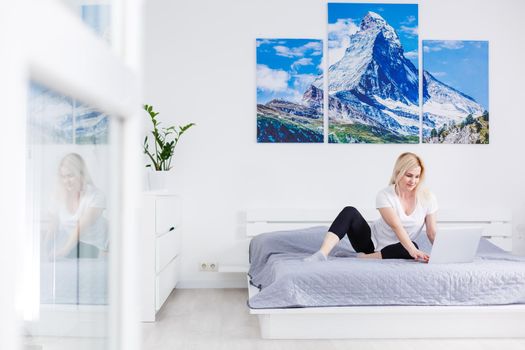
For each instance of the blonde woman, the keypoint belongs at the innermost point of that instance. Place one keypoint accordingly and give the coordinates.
(78, 225)
(404, 207)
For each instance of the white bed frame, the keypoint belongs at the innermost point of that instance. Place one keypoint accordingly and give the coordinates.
(62, 320)
(505, 321)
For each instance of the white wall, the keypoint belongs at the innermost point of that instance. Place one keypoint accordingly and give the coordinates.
(200, 67)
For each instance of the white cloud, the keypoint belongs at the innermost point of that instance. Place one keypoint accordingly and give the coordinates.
(301, 62)
(343, 28)
(438, 74)
(429, 48)
(477, 44)
(339, 38)
(303, 81)
(283, 51)
(452, 44)
(291, 95)
(295, 96)
(410, 19)
(410, 31)
(411, 54)
(316, 48)
(271, 79)
(438, 45)
(263, 42)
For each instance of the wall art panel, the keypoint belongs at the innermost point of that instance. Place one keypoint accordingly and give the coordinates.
(455, 91)
(373, 76)
(289, 107)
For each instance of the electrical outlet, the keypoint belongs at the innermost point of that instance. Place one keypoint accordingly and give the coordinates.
(208, 266)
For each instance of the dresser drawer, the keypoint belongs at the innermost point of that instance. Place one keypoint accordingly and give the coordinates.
(167, 247)
(166, 214)
(166, 281)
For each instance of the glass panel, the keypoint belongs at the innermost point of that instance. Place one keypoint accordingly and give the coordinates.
(95, 13)
(67, 256)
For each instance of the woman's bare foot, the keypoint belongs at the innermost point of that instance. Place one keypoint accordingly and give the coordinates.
(376, 255)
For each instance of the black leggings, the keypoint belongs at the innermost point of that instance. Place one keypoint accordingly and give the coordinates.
(351, 223)
(83, 250)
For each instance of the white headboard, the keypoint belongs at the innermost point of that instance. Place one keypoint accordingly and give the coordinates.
(496, 222)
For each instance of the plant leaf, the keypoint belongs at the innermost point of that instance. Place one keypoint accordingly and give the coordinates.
(164, 139)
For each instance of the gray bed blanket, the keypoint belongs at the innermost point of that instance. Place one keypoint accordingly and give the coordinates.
(74, 281)
(276, 268)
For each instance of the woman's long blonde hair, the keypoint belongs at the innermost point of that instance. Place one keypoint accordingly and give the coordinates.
(404, 163)
(76, 164)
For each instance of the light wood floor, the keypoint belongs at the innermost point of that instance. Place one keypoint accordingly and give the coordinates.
(218, 319)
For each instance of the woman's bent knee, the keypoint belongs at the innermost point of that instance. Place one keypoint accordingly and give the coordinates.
(350, 210)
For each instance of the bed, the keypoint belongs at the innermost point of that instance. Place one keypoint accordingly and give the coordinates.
(482, 299)
(74, 282)
(73, 297)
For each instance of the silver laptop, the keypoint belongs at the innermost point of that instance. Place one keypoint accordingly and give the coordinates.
(455, 245)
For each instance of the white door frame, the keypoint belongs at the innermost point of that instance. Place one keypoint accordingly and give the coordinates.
(44, 42)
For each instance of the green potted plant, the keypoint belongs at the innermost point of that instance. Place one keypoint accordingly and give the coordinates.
(160, 156)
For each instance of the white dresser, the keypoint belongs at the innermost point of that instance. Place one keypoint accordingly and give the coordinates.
(160, 240)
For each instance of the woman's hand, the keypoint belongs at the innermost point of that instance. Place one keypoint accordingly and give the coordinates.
(419, 255)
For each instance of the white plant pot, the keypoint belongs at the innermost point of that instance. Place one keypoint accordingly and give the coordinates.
(158, 180)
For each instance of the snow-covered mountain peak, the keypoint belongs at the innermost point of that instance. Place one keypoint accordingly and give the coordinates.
(372, 20)
(444, 104)
(374, 23)
(374, 64)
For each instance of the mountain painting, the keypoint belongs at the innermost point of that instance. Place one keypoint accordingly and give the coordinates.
(373, 82)
(455, 92)
(58, 119)
(289, 107)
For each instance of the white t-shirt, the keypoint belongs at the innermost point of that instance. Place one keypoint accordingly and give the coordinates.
(95, 234)
(382, 233)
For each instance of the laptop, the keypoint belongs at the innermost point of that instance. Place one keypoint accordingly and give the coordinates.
(455, 245)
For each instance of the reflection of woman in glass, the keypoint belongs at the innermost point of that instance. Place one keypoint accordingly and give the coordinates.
(78, 226)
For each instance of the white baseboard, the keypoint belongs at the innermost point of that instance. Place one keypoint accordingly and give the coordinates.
(241, 283)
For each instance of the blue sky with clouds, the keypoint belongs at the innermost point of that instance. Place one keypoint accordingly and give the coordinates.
(463, 65)
(344, 20)
(287, 67)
